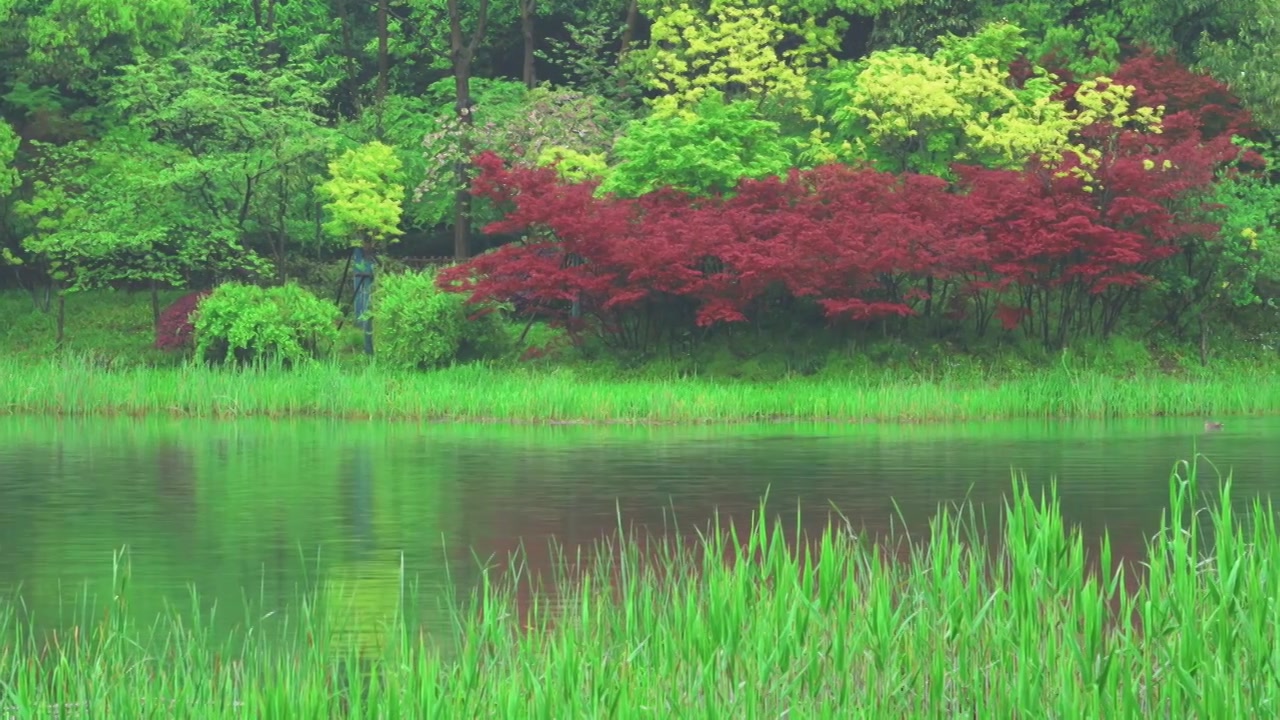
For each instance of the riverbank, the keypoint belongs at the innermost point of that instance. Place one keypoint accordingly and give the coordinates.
(682, 633)
(477, 393)
(108, 367)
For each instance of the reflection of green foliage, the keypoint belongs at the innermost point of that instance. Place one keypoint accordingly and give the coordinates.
(362, 602)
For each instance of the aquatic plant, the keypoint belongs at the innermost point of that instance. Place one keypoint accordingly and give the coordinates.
(1039, 622)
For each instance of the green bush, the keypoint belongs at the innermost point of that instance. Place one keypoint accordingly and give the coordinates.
(419, 326)
(247, 323)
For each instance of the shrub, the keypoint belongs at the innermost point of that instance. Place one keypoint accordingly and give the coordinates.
(174, 332)
(247, 323)
(418, 325)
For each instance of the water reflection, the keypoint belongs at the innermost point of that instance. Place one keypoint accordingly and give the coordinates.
(263, 510)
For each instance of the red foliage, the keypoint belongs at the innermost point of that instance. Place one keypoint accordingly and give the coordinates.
(174, 331)
(1162, 80)
(858, 243)
(833, 234)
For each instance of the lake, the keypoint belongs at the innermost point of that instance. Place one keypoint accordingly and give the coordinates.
(250, 512)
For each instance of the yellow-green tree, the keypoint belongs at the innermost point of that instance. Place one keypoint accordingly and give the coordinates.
(904, 110)
(364, 195)
(749, 49)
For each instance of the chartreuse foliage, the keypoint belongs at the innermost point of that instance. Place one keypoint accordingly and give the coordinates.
(574, 166)
(248, 323)
(364, 195)
(743, 48)
(706, 149)
(730, 44)
(419, 326)
(910, 112)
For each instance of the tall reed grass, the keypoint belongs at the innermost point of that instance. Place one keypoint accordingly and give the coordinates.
(1039, 623)
(479, 393)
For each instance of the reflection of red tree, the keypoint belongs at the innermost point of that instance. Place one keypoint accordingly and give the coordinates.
(547, 544)
(176, 481)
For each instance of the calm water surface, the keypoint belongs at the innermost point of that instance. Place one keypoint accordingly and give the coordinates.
(262, 509)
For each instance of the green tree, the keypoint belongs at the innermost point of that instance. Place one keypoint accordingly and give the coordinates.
(8, 152)
(1084, 35)
(77, 44)
(1234, 40)
(114, 210)
(8, 179)
(1237, 269)
(705, 150)
(250, 136)
(525, 126)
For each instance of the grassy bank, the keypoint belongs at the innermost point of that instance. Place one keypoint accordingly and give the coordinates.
(107, 367)
(479, 393)
(953, 628)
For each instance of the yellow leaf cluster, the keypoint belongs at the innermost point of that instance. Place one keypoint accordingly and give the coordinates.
(732, 49)
(903, 99)
(1101, 100)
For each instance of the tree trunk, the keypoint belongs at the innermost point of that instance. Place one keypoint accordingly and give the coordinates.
(349, 52)
(527, 9)
(461, 54)
(382, 67)
(629, 30)
(62, 319)
(1204, 341)
(155, 306)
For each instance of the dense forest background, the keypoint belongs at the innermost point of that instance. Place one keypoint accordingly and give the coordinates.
(653, 173)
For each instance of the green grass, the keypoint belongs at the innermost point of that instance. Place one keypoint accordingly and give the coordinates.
(107, 368)
(480, 393)
(736, 626)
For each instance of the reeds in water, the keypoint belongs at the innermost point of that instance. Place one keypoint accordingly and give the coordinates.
(1039, 623)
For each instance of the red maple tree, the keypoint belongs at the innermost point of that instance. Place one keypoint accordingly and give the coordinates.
(1055, 249)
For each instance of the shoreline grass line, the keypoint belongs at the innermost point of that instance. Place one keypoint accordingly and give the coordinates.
(482, 394)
